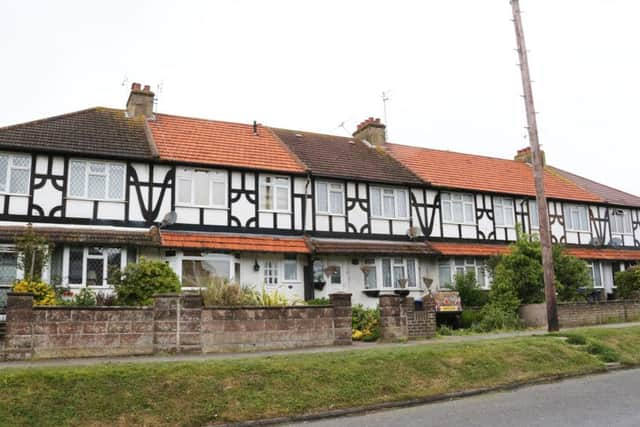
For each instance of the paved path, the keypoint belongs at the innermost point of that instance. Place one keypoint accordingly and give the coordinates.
(355, 347)
(610, 400)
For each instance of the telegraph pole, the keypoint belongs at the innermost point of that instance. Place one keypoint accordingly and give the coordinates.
(538, 174)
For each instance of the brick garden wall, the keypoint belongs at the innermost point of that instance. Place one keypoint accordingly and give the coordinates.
(583, 313)
(174, 324)
(400, 321)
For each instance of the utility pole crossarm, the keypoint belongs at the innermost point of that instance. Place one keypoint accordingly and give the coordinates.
(538, 173)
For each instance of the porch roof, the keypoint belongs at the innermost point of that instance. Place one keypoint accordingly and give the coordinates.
(117, 236)
(373, 247)
(234, 242)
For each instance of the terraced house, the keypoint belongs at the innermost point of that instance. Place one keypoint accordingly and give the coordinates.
(305, 213)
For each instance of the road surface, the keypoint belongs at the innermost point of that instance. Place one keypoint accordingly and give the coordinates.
(611, 400)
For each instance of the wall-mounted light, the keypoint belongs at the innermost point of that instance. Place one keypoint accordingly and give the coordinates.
(256, 266)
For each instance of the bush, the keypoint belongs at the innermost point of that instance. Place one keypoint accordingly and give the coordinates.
(139, 282)
(494, 317)
(273, 299)
(365, 323)
(43, 294)
(106, 299)
(33, 254)
(470, 293)
(219, 291)
(470, 317)
(445, 330)
(628, 283)
(319, 301)
(85, 298)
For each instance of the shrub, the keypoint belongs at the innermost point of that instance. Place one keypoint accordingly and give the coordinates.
(445, 330)
(470, 293)
(319, 301)
(495, 317)
(272, 298)
(85, 298)
(628, 283)
(365, 323)
(470, 317)
(43, 294)
(106, 299)
(139, 282)
(219, 291)
(33, 254)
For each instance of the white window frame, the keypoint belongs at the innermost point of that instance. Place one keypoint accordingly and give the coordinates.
(107, 186)
(568, 218)
(447, 201)
(208, 257)
(272, 182)
(330, 187)
(596, 267)
(273, 267)
(624, 215)
(9, 174)
(505, 206)
(403, 263)
(85, 257)
(457, 265)
(533, 214)
(389, 192)
(290, 262)
(215, 176)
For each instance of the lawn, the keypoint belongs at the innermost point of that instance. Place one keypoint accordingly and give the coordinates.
(197, 393)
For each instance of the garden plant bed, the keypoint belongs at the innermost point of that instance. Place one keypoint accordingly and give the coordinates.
(198, 393)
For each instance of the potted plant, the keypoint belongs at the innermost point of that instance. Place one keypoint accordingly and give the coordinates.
(402, 288)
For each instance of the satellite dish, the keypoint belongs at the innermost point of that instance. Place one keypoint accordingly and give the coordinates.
(616, 242)
(169, 219)
(413, 232)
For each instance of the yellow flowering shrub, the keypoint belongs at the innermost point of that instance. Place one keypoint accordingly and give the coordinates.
(43, 294)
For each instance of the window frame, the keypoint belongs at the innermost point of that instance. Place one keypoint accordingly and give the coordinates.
(274, 187)
(504, 204)
(461, 264)
(9, 174)
(591, 265)
(85, 257)
(217, 176)
(533, 211)
(626, 220)
(396, 203)
(463, 204)
(569, 225)
(230, 259)
(395, 263)
(107, 164)
(286, 262)
(327, 192)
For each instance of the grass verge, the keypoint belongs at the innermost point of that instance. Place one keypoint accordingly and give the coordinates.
(197, 393)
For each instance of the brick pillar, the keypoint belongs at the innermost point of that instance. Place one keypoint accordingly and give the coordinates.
(393, 319)
(429, 305)
(341, 303)
(190, 323)
(19, 338)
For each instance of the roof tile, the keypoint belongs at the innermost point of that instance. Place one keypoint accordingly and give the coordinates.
(234, 242)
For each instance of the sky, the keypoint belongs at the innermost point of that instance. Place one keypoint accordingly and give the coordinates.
(450, 69)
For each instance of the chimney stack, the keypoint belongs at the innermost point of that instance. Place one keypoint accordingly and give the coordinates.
(140, 102)
(372, 131)
(524, 155)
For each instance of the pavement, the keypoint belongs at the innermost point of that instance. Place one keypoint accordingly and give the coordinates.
(357, 346)
(610, 400)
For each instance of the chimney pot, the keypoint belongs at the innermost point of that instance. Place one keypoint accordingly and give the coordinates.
(147, 88)
(373, 131)
(135, 86)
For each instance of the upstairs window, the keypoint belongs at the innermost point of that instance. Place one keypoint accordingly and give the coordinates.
(576, 218)
(96, 180)
(458, 208)
(533, 214)
(204, 188)
(15, 172)
(330, 198)
(389, 203)
(620, 221)
(274, 193)
(503, 211)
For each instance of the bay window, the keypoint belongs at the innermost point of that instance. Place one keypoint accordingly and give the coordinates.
(330, 198)
(370, 276)
(458, 208)
(620, 221)
(390, 203)
(199, 268)
(93, 266)
(576, 218)
(503, 211)
(399, 272)
(204, 188)
(15, 173)
(96, 180)
(274, 193)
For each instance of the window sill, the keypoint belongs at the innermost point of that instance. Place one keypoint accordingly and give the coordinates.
(86, 199)
(6, 193)
(471, 224)
(386, 218)
(272, 212)
(331, 214)
(578, 231)
(217, 208)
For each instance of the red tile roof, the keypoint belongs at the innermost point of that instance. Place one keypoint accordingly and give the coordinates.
(471, 172)
(469, 249)
(234, 242)
(220, 143)
(605, 254)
